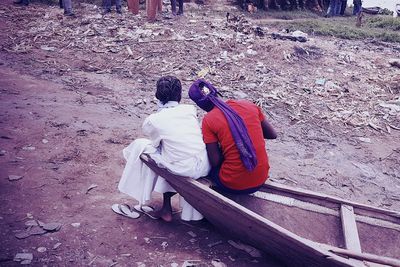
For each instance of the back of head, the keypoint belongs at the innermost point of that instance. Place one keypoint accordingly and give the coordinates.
(201, 92)
(169, 88)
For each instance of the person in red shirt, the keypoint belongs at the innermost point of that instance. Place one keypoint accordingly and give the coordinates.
(234, 133)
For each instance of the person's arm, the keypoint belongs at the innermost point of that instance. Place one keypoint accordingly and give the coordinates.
(268, 130)
(214, 154)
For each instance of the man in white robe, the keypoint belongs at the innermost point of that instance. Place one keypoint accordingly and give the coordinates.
(175, 141)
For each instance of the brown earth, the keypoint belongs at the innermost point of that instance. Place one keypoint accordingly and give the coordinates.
(74, 92)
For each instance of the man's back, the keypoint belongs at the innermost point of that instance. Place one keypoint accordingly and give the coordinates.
(177, 130)
(233, 174)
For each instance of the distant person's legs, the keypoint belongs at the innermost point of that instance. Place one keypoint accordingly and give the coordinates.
(159, 5)
(107, 6)
(133, 6)
(180, 10)
(357, 7)
(118, 6)
(151, 10)
(343, 7)
(173, 7)
(22, 2)
(68, 8)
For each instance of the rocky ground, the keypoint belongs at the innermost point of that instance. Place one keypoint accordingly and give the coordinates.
(74, 92)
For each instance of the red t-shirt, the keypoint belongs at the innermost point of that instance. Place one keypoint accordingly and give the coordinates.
(215, 128)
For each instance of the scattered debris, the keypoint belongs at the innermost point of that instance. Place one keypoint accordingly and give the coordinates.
(28, 148)
(249, 249)
(218, 263)
(36, 227)
(56, 245)
(41, 249)
(24, 258)
(289, 37)
(215, 244)
(394, 62)
(164, 245)
(52, 227)
(191, 234)
(14, 177)
(92, 186)
(191, 263)
(45, 141)
(32, 230)
(320, 81)
(76, 225)
(364, 139)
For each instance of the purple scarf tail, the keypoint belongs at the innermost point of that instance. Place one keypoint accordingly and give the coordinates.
(236, 125)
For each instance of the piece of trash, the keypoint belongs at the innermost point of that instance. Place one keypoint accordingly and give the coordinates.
(299, 34)
(47, 48)
(126, 255)
(76, 225)
(56, 245)
(174, 264)
(394, 62)
(147, 240)
(41, 249)
(33, 230)
(320, 81)
(32, 223)
(214, 244)
(191, 234)
(203, 72)
(192, 240)
(364, 139)
(92, 186)
(251, 52)
(129, 50)
(24, 258)
(190, 263)
(45, 141)
(164, 245)
(52, 227)
(218, 263)
(14, 177)
(28, 148)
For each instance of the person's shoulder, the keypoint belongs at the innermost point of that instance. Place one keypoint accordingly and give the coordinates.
(187, 108)
(241, 102)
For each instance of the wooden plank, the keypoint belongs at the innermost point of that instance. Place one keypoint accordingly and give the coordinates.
(304, 192)
(349, 226)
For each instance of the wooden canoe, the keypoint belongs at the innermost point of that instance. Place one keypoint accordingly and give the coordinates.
(299, 227)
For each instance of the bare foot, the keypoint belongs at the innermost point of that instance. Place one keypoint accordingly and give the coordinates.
(163, 214)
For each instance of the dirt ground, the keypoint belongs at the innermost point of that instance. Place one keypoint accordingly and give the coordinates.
(74, 92)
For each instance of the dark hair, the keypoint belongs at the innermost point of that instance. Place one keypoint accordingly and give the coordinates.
(169, 88)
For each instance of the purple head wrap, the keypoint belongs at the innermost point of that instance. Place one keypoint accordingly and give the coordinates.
(205, 96)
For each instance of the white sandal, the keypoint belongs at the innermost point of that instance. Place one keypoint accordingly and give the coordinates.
(125, 210)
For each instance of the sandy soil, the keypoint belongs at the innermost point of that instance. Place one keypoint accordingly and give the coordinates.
(74, 92)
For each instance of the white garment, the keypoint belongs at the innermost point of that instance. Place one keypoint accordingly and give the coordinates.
(137, 179)
(176, 132)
